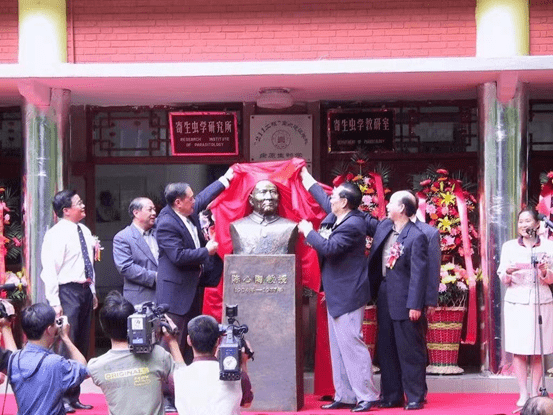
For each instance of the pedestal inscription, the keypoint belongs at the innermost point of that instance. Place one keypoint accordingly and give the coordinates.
(268, 298)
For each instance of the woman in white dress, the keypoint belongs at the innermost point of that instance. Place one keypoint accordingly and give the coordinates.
(520, 305)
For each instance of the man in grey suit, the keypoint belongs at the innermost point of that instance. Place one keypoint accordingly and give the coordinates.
(340, 244)
(135, 252)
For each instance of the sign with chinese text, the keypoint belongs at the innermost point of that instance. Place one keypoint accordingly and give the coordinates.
(281, 137)
(203, 133)
(268, 296)
(367, 129)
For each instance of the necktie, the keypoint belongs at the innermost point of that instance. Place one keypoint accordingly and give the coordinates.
(88, 270)
(194, 231)
(151, 242)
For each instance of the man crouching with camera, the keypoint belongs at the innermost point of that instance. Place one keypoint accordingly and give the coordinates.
(131, 382)
(198, 389)
(39, 377)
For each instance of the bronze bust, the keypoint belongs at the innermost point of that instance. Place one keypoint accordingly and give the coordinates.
(264, 231)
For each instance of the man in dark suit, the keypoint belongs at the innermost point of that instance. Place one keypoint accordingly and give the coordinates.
(398, 270)
(135, 252)
(184, 253)
(434, 263)
(341, 246)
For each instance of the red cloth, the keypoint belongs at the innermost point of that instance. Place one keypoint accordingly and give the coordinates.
(323, 366)
(295, 204)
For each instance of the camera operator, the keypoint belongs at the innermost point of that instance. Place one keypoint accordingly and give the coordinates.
(7, 336)
(198, 389)
(131, 382)
(39, 377)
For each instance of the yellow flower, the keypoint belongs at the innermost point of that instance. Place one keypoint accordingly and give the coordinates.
(447, 198)
(449, 279)
(445, 224)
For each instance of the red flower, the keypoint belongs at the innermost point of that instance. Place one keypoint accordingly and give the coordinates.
(360, 162)
(349, 177)
(442, 171)
(549, 175)
(425, 182)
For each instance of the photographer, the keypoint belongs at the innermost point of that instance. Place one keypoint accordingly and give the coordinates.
(198, 389)
(39, 377)
(131, 382)
(7, 336)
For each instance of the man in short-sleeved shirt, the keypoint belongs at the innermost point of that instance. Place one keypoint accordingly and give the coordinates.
(131, 382)
(38, 376)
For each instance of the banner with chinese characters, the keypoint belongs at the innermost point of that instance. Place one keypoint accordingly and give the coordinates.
(203, 133)
(350, 130)
(281, 137)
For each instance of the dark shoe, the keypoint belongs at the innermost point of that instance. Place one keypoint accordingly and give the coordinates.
(414, 405)
(79, 405)
(68, 408)
(337, 405)
(386, 404)
(169, 408)
(365, 406)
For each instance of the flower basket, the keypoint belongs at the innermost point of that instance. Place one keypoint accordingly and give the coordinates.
(443, 338)
(370, 331)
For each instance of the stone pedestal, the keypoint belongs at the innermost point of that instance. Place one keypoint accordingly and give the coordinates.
(269, 298)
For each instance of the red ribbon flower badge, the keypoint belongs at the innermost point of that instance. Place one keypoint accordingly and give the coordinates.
(395, 252)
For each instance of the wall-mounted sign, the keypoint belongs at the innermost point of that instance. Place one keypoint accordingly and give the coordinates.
(203, 133)
(349, 130)
(281, 137)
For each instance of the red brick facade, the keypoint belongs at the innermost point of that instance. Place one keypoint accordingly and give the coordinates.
(249, 30)
(232, 30)
(541, 27)
(8, 31)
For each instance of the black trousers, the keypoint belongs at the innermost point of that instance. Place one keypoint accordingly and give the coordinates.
(401, 349)
(76, 301)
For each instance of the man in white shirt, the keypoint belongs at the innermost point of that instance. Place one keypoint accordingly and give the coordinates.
(198, 389)
(135, 252)
(68, 275)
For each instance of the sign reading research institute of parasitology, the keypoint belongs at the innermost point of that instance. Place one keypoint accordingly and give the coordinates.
(203, 133)
(350, 130)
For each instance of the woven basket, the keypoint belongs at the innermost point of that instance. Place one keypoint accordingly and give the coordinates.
(443, 338)
(370, 331)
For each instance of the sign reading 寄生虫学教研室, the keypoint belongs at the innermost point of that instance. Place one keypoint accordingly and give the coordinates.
(203, 133)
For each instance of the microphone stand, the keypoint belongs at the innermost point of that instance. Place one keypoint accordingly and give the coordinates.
(535, 263)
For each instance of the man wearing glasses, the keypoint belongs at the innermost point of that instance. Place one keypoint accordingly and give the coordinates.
(184, 253)
(67, 256)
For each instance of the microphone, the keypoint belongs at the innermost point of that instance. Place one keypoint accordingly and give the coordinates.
(547, 222)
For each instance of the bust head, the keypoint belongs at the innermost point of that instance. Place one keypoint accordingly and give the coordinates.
(264, 198)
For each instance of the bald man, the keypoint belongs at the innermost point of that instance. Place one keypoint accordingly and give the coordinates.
(398, 265)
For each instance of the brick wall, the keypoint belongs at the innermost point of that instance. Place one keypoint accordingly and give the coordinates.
(8, 31)
(237, 30)
(541, 27)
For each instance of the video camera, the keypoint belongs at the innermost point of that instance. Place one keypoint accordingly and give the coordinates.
(6, 308)
(144, 327)
(230, 348)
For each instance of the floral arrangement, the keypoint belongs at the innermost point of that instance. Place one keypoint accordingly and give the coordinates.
(453, 289)
(10, 229)
(545, 199)
(439, 193)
